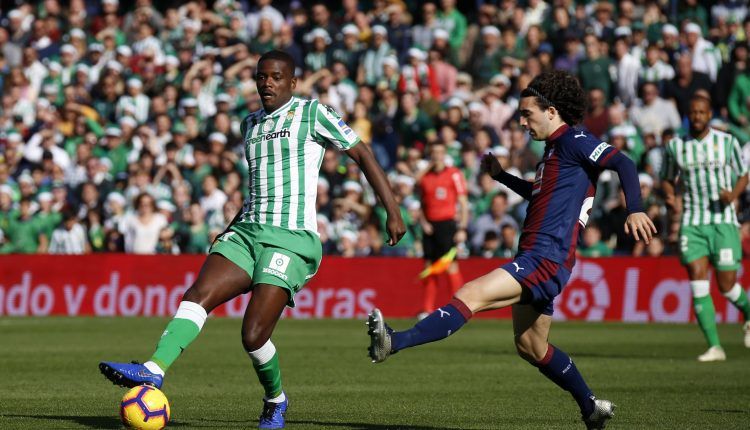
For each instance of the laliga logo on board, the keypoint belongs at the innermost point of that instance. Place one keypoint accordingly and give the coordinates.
(586, 296)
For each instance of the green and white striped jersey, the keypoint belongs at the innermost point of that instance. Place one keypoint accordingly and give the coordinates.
(284, 150)
(705, 167)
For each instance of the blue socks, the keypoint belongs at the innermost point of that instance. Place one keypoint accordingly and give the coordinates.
(438, 325)
(561, 370)
(556, 365)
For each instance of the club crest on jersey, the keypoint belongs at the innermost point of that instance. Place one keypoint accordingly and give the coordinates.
(267, 126)
(277, 265)
(289, 115)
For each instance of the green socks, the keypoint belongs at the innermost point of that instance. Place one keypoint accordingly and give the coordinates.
(703, 306)
(738, 297)
(180, 332)
(185, 327)
(266, 364)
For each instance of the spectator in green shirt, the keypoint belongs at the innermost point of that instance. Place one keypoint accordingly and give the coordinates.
(454, 22)
(489, 59)
(47, 219)
(114, 150)
(197, 231)
(415, 126)
(24, 233)
(594, 71)
(739, 107)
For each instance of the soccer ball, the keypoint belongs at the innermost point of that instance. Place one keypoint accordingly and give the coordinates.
(144, 408)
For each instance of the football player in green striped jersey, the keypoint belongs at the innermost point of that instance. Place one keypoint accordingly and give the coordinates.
(272, 247)
(709, 167)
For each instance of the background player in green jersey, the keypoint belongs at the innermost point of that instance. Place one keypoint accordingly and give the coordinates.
(271, 248)
(709, 166)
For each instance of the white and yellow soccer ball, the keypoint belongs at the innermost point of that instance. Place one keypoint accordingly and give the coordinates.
(144, 408)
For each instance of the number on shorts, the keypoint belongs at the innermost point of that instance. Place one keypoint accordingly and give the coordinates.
(226, 236)
(683, 243)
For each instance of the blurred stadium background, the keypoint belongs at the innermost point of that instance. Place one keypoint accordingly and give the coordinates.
(119, 142)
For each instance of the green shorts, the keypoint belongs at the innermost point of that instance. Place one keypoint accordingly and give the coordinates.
(719, 242)
(272, 255)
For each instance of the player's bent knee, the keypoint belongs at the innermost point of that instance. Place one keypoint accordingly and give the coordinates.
(471, 295)
(194, 294)
(202, 296)
(254, 337)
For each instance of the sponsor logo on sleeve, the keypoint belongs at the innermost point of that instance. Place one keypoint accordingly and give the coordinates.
(598, 151)
(344, 128)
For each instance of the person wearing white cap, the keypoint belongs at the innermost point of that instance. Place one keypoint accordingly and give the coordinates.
(372, 60)
(77, 33)
(487, 63)
(135, 101)
(114, 66)
(350, 30)
(224, 103)
(115, 210)
(124, 51)
(272, 247)
(68, 58)
(317, 58)
(706, 57)
(500, 79)
(416, 74)
(654, 69)
(217, 137)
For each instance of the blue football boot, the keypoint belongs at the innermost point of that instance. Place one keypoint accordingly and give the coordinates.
(272, 416)
(130, 374)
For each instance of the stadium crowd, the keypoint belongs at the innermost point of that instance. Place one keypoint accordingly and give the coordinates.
(120, 122)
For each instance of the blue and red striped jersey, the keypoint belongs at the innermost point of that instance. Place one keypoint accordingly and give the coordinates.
(563, 194)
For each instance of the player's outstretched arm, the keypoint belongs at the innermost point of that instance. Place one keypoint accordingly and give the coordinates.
(362, 155)
(496, 171)
(638, 223)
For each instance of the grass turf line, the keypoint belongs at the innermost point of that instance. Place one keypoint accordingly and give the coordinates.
(473, 380)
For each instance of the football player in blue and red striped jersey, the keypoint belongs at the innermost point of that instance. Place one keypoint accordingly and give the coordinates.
(560, 200)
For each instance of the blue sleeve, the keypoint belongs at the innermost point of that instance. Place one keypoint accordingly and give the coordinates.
(628, 179)
(594, 153)
(518, 185)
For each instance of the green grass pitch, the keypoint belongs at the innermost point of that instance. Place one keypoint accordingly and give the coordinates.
(49, 377)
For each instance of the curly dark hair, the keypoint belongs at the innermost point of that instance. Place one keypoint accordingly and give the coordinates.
(560, 90)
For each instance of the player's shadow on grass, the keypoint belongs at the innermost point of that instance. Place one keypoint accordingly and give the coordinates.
(366, 426)
(93, 422)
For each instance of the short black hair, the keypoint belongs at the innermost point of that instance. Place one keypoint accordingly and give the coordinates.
(278, 55)
(560, 90)
(702, 97)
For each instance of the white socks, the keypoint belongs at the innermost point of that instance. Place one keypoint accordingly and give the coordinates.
(264, 354)
(700, 288)
(278, 399)
(193, 312)
(153, 368)
(734, 294)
